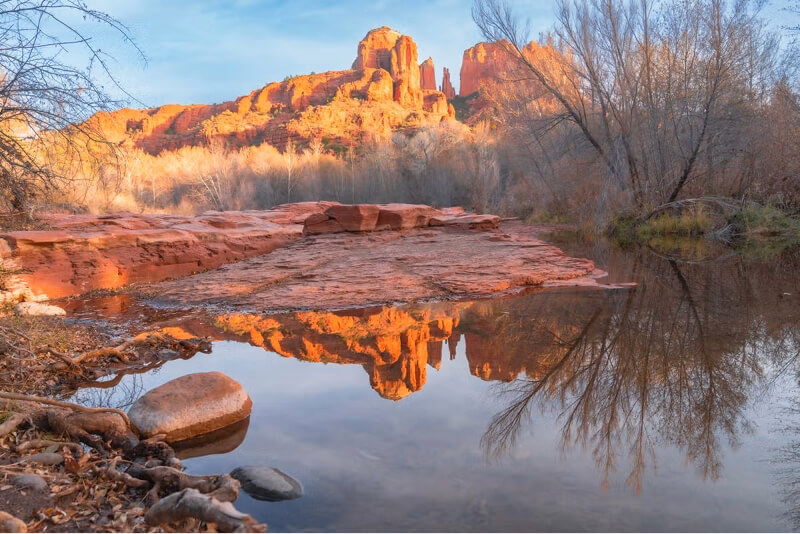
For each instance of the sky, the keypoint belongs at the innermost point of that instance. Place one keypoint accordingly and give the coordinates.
(209, 51)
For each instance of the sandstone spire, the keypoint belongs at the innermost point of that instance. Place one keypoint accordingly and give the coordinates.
(447, 86)
(427, 75)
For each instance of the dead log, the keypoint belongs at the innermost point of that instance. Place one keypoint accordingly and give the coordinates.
(190, 503)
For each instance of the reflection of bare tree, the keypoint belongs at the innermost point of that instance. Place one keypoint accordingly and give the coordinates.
(121, 395)
(673, 361)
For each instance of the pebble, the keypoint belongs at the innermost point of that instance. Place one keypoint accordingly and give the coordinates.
(44, 458)
(30, 482)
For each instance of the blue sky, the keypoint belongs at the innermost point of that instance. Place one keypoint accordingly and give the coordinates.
(209, 51)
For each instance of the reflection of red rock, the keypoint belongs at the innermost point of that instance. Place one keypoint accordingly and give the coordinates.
(427, 75)
(391, 344)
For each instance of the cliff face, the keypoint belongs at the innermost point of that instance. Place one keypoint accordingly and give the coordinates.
(385, 79)
(427, 75)
(481, 62)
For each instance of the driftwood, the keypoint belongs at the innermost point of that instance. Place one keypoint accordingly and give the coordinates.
(190, 503)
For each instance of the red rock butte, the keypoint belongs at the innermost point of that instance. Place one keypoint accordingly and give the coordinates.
(385, 78)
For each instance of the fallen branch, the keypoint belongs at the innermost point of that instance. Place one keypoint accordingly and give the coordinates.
(190, 503)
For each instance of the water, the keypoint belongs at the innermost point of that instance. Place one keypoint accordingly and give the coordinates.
(671, 407)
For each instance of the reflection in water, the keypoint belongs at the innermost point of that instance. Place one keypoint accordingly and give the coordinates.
(674, 360)
(677, 361)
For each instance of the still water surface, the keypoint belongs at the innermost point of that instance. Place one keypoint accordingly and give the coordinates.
(673, 406)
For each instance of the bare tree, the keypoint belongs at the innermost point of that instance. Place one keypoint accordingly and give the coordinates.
(654, 89)
(53, 77)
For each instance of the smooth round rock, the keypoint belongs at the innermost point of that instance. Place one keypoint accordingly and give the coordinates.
(267, 483)
(37, 308)
(30, 482)
(189, 406)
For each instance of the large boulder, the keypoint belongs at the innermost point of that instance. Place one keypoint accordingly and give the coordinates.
(267, 483)
(189, 406)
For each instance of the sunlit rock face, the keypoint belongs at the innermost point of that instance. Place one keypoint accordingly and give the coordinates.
(385, 48)
(385, 83)
(481, 62)
(427, 75)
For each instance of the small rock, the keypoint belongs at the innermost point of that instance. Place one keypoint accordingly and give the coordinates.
(37, 308)
(30, 482)
(267, 483)
(44, 458)
(9, 523)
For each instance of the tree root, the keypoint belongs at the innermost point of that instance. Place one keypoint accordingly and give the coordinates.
(190, 503)
(11, 424)
(221, 487)
(111, 472)
(63, 404)
(42, 443)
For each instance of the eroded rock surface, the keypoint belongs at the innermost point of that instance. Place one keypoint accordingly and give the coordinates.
(313, 255)
(190, 406)
(346, 270)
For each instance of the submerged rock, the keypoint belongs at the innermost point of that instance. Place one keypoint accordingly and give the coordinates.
(30, 482)
(267, 483)
(37, 308)
(189, 406)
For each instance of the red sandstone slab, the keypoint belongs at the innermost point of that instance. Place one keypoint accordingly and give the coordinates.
(404, 216)
(355, 217)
